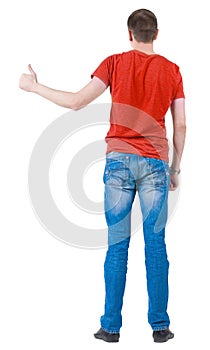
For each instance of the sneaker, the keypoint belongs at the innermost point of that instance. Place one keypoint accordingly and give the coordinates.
(162, 336)
(108, 337)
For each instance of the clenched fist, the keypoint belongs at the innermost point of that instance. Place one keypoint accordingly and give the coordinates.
(28, 81)
(174, 182)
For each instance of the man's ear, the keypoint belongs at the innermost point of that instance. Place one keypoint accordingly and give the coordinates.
(130, 35)
(156, 35)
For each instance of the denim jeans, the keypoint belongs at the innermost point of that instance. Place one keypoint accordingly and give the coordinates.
(124, 175)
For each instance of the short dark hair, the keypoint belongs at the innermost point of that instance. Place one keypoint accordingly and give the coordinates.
(143, 25)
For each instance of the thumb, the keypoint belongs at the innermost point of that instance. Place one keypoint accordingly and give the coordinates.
(31, 71)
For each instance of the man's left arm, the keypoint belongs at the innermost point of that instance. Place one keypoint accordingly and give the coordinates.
(75, 101)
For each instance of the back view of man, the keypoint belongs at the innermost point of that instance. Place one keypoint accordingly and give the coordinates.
(143, 86)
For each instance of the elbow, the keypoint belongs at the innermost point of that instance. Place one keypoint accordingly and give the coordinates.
(180, 129)
(183, 127)
(76, 107)
(75, 104)
(180, 125)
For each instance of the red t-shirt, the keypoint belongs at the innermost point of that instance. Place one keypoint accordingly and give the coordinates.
(142, 88)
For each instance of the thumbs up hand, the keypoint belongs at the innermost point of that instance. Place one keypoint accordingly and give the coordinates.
(28, 81)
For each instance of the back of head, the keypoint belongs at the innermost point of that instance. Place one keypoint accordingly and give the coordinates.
(143, 25)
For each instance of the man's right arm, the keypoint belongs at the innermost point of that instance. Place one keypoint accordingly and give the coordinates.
(77, 100)
(179, 126)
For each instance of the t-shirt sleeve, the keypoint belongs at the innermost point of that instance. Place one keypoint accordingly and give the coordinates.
(103, 71)
(179, 86)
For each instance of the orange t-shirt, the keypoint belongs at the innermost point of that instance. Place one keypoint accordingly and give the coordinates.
(142, 88)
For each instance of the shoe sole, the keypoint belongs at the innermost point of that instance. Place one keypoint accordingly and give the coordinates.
(108, 341)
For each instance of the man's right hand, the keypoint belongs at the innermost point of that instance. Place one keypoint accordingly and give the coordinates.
(28, 81)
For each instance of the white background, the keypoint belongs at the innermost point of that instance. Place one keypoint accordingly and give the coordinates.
(52, 294)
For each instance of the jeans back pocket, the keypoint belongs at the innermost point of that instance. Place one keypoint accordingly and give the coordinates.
(116, 171)
(159, 172)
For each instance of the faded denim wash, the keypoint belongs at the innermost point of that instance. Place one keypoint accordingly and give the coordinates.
(124, 175)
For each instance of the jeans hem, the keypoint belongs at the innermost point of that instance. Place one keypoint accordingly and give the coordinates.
(160, 328)
(111, 332)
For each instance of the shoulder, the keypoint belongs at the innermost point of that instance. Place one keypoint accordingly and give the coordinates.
(116, 56)
(166, 62)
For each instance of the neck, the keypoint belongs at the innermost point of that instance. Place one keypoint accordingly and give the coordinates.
(143, 47)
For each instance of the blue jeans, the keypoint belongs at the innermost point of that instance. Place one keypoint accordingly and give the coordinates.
(125, 174)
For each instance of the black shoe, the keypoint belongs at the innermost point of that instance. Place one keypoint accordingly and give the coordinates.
(162, 336)
(108, 337)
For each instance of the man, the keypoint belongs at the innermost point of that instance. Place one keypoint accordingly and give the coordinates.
(143, 86)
